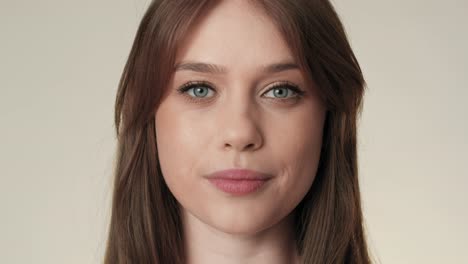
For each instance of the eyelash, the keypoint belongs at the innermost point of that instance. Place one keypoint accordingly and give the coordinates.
(284, 84)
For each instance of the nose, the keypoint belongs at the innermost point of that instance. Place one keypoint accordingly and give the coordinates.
(240, 130)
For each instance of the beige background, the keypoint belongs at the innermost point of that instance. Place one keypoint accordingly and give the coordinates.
(60, 62)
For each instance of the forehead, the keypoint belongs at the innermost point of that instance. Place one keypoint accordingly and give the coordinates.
(235, 34)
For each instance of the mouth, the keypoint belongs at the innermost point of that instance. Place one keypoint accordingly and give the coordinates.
(238, 181)
(239, 174)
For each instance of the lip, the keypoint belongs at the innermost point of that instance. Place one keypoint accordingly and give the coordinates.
(238, 181)
(239, 174)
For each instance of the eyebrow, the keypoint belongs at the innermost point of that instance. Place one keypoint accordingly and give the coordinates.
(218, 69)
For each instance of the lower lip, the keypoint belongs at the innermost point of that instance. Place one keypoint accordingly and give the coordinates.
(237, 187)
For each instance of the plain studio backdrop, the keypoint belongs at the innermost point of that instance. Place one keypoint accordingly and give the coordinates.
(60, 63)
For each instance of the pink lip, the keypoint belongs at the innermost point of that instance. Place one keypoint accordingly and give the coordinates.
(238, 181)
(239, 174)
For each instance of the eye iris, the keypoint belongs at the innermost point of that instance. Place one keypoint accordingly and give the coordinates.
(200, 89)
(282, 92)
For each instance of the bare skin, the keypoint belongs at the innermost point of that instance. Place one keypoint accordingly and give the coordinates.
(239, 121)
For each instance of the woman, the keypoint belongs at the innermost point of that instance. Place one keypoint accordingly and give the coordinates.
(236, 123)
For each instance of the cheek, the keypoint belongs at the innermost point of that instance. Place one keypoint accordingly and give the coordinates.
(178, 149)
(298, 153)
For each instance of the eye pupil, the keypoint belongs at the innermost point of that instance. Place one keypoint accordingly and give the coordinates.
(200, 89)
(281, 93)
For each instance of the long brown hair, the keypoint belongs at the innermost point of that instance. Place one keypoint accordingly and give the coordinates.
(145, 223)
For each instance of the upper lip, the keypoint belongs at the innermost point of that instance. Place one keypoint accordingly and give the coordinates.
(239, 174)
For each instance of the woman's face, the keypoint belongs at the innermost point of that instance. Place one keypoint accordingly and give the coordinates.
(237, 120)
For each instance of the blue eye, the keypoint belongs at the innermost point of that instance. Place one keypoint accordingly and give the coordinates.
(285, 91)
(197, 91)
